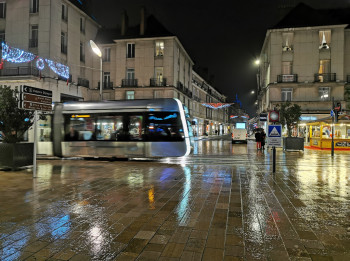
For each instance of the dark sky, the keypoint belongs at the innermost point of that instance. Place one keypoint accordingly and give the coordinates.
(224, 36)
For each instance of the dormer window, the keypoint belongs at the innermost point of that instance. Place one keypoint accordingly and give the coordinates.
(325, 39)
(287, 41)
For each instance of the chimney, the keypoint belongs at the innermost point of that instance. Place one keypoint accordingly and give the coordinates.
(143, 21)
(124, 23)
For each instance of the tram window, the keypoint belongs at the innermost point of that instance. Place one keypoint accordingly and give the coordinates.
(135, 127)
(163, 126)
(78, 127)
(109, 128)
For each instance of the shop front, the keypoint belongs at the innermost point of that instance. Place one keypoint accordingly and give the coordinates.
(320, 134)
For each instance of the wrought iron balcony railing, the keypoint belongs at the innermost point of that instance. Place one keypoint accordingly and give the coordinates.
(325, 77)
(19, 71)
(83, 82)
(129, 82)
(157, 82)
(287, 78)
(106, 85)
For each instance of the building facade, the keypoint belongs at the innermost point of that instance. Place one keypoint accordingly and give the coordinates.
(306, 62)
(149, 62)
(56, 30)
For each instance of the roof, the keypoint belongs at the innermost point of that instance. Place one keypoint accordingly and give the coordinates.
(153, 28)
(305, 16)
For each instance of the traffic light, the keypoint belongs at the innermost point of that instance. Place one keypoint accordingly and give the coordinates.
(336, 109)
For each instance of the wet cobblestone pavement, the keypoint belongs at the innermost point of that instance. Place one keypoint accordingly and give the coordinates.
(223, 203)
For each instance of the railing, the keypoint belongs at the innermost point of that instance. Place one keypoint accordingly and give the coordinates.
(197, 98)
(33, 43)
(19, 71)
(325, 77)
(157, 82)
(106, 85)
(64, 49)
(287, 78)
(83, 82)
(129, 82)
(183, 89)
(60, 78)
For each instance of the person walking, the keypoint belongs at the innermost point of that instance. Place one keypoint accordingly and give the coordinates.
(263, 138)
(258, 140)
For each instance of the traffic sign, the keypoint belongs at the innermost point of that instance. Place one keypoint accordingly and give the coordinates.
(274, 135)
(274, 116)
(36, 106)
(263, 116)
(36, 91)
(36, 99)
(332, 113)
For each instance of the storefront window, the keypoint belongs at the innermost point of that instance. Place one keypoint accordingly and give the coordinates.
(44, 128)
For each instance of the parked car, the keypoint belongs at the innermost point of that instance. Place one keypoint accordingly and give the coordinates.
(239, 135)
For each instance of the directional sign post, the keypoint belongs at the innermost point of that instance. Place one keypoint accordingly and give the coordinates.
(38, 100)
(275, 140)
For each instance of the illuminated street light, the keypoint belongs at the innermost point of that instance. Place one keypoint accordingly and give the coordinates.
(98, 52)
(252, 92)
(257, 62)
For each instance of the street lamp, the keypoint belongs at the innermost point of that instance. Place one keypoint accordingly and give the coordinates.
(98, 52)
(252, 92)
(257, 62)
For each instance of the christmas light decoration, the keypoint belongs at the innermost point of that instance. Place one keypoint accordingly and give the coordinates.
(216, 106)
(16, 55)
(58, 68)
(40, 64)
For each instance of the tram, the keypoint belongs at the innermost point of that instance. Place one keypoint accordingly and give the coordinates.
(121, 129)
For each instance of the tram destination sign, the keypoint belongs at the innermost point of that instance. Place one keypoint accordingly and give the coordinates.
(36, 91)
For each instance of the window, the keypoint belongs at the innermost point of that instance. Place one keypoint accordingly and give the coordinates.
(325, 66)
(64, 13)
(107, 54)
(159, 48)
(82, 52)
(135, 127)
(158, 73)
(106, 79)
(130, 73)
(163, 126)
(287, 43)
(287, 94)
(34, 33)
(325, 39)
(130, 53)
(109, 127)
(324, 93)
(286, 68)
(34, 6)
(2, 36)
(130, 95)
(64, 42)
(2, 10)
(82, 25)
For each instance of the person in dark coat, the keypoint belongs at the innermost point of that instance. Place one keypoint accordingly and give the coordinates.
(263, 138)
(258, 140)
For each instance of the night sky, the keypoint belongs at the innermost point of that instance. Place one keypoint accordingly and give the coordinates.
(224, 36)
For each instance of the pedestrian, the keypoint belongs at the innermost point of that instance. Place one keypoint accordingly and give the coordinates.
(258, 140)
(263, 138)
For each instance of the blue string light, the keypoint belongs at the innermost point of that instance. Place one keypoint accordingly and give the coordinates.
(16, 55)
(58, 68)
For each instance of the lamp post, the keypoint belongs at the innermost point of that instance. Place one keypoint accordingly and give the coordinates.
(98, 52)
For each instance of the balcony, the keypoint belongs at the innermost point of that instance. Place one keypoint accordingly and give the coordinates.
(325, 77)
(20, 71)
(83, 82)
(287, 78)
(33, 43)
(129, 82)
(183, 89)
(197, 99)
(106, 85)
(154, 82)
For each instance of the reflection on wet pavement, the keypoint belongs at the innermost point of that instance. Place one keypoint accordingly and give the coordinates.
(221, 203)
